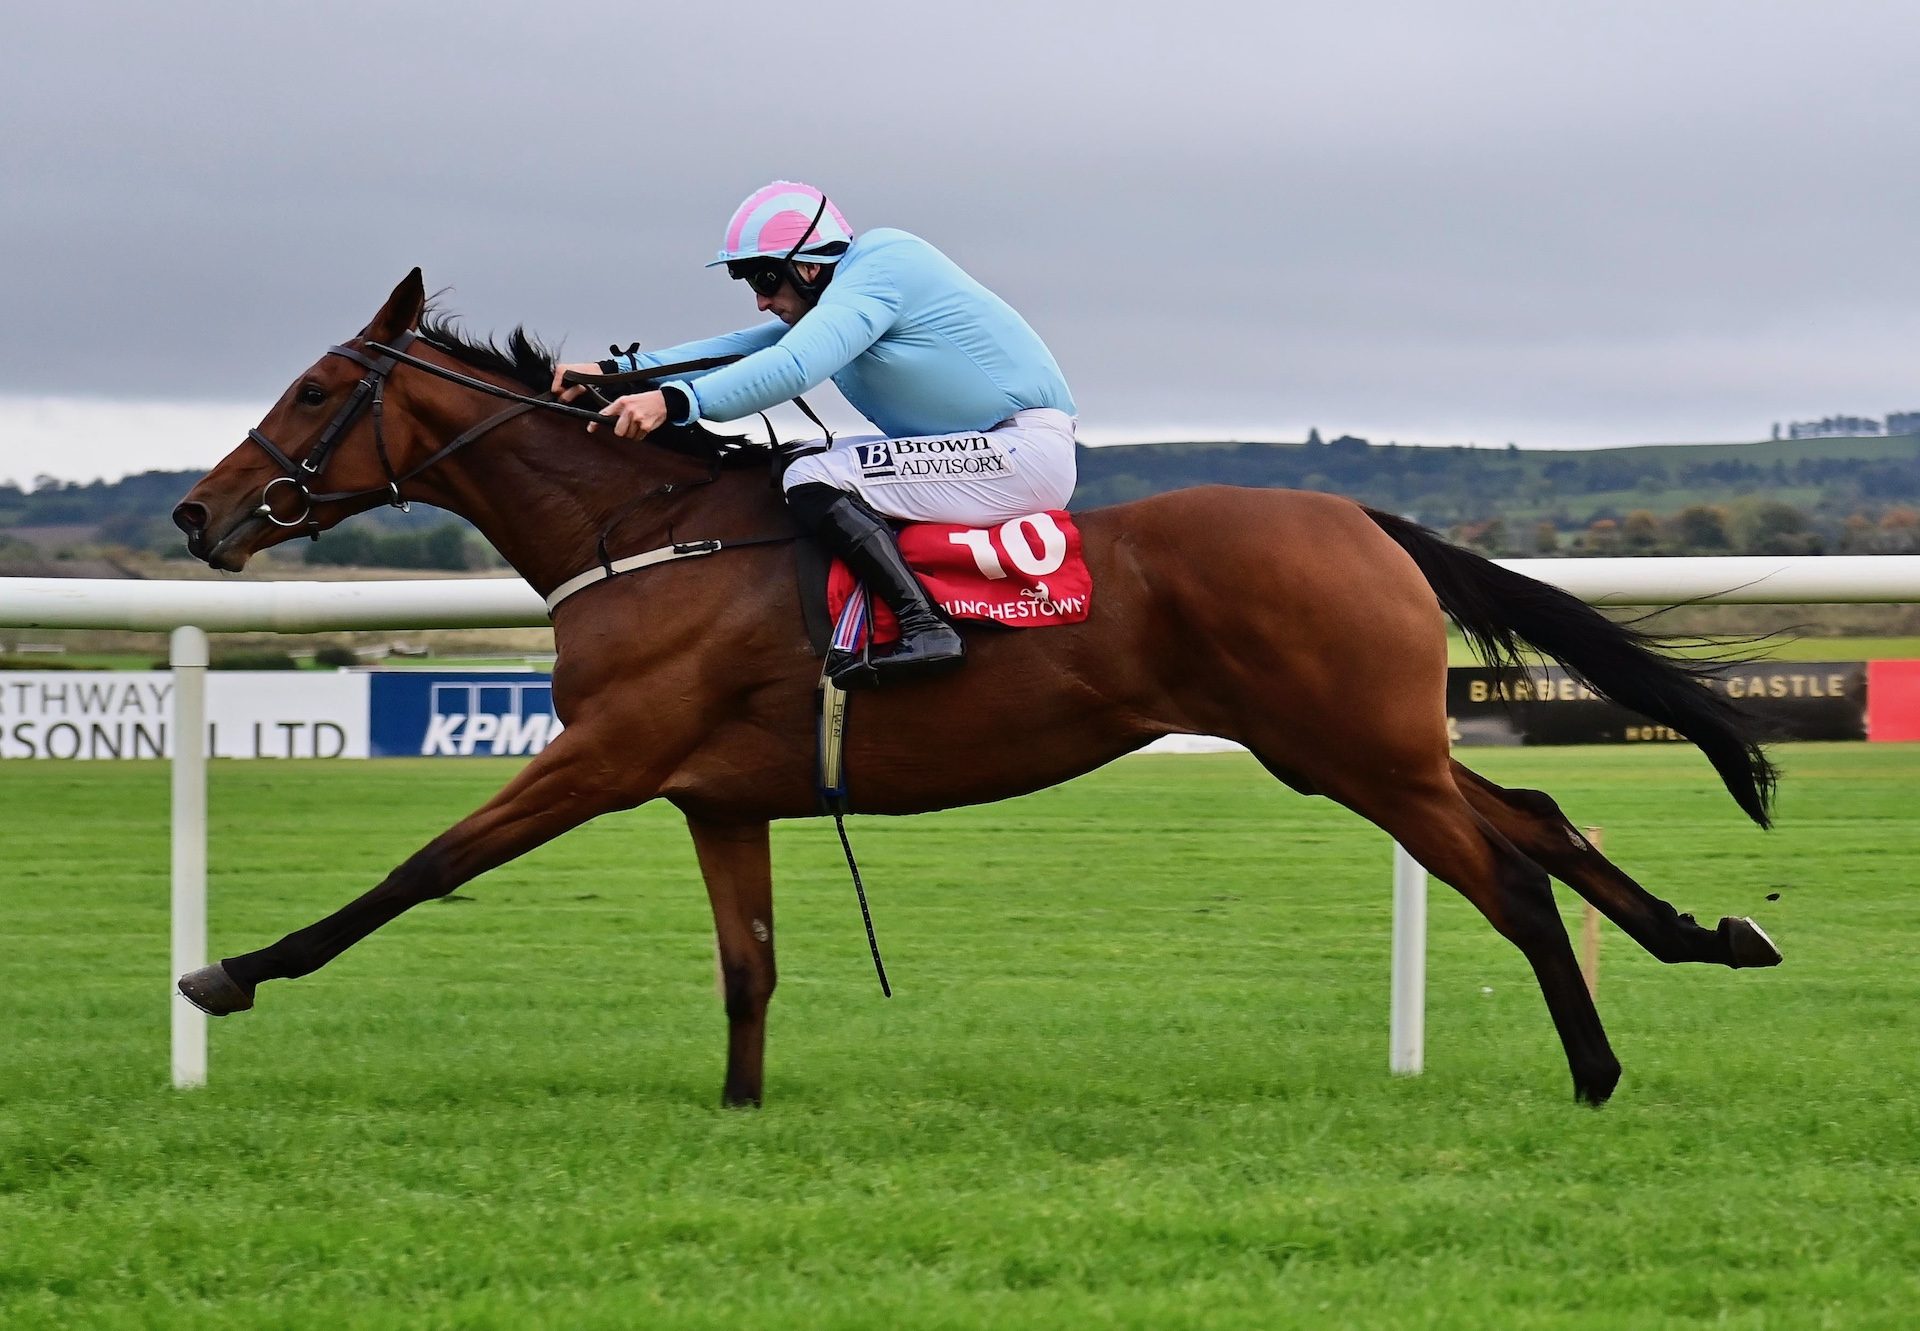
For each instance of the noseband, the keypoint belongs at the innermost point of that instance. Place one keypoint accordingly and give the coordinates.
(303, 474)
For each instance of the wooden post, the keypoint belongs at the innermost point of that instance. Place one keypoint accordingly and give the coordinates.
(1590, 929)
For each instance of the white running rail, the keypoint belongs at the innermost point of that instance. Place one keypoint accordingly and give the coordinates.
(189, 610)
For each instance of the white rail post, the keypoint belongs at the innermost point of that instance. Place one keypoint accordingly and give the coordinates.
(1408, 1023)
(188, 656)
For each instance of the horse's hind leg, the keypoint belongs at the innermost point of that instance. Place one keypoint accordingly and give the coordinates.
(1534, 824)
(737, 864)
(565, 786)
(1433, 821)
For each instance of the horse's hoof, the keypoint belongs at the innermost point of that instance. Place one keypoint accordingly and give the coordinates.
(1747, 943)
(213, 991)
(1596, 1088)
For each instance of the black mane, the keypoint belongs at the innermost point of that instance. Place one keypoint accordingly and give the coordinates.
(525, 359)
(529, 361)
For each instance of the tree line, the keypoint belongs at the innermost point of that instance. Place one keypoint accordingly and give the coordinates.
(1749, 527)
(135, 514)
(1812, 496)
(1770, 497)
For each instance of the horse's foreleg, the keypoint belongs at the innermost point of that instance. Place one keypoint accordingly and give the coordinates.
(565, 786)
(1535, 825)
(737, 864)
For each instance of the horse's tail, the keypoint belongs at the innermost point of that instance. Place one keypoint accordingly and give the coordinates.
(1499, 610)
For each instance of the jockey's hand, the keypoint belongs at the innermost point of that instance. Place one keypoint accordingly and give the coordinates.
(560, 389)
(640, 414)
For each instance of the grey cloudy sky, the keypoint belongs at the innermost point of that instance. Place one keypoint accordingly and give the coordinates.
(1574, 223)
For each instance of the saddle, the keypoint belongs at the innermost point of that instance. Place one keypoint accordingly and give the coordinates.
(1025, 573)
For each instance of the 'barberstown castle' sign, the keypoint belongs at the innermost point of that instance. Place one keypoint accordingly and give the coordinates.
(1789, 700)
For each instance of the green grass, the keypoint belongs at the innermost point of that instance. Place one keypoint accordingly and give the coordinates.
(538, 661)
(1846, 648)
(83, 660)
(1839, 649)
(1134, 1074)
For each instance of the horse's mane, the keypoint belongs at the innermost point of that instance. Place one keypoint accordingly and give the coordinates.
(529, 361)
(525, 359)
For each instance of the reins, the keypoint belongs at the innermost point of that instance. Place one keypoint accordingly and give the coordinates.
(370, 392)
(649, 377)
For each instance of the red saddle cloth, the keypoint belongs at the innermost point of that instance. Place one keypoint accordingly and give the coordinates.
(1024, 573)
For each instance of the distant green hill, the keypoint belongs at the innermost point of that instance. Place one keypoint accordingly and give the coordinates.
(1829, 479)
(1811, 494)
(136, 514)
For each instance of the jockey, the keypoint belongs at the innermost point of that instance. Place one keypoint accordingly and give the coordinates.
(976, 421)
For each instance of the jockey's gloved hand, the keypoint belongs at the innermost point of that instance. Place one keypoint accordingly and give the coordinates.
(636, 415)
(560, 372)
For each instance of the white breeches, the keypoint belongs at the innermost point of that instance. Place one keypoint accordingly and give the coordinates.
(974, 477)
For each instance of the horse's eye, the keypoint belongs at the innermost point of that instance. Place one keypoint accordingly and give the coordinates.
(312, 395)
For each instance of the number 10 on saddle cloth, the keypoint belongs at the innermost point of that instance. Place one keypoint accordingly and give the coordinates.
(1027, 572)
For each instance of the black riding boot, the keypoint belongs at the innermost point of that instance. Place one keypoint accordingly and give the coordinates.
(928, 644)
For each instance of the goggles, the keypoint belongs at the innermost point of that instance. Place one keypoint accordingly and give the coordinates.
(763, 277)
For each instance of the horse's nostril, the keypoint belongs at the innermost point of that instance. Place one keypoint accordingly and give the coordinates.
(190, 518)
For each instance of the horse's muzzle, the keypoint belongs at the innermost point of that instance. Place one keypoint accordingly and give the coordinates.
(192, 519)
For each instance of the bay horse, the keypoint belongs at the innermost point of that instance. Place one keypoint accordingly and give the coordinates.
(1257, 615)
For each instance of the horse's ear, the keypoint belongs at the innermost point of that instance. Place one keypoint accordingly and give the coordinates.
(401, 312)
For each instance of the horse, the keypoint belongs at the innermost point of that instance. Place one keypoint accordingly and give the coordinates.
(1256, 615)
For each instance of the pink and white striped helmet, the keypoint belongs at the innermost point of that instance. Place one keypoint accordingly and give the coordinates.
(776, 218)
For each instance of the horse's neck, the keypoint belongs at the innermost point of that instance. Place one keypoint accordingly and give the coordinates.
(544, 493)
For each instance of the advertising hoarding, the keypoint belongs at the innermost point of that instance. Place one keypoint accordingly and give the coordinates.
(100, 714)
(421, 714)
(1789, 699)
(103, 714)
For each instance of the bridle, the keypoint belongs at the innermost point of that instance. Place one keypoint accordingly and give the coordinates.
(369, 394)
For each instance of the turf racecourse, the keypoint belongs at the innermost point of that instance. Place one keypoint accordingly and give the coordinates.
(1134, 1074)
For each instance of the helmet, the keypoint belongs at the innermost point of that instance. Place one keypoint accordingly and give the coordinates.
(785, 220)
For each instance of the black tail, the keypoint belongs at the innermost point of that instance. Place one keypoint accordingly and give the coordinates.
(1500, 610)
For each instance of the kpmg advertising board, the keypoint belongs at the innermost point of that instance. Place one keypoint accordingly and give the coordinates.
(1789, 700)
(103, 714)
(97, 714)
